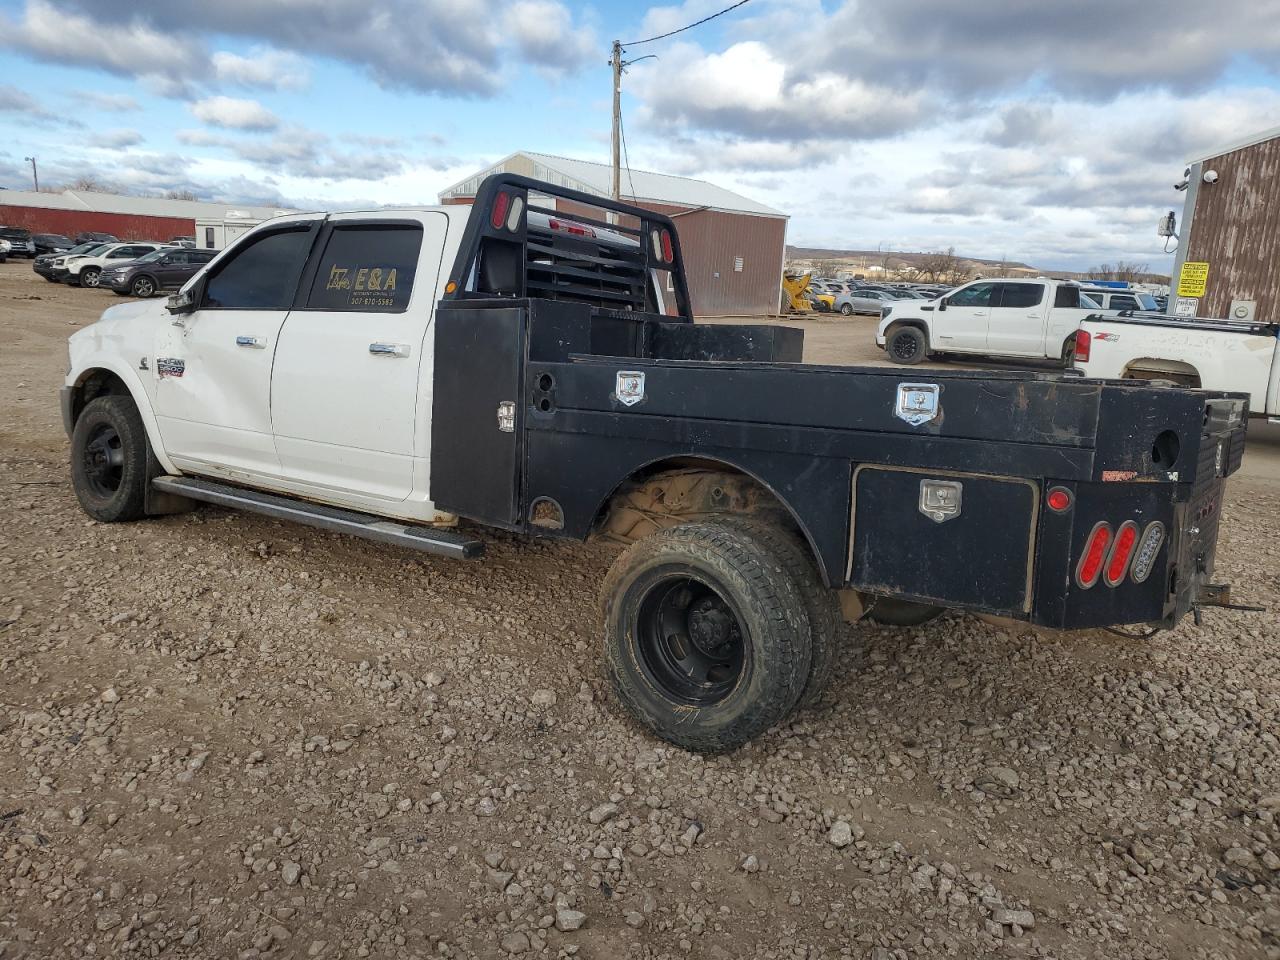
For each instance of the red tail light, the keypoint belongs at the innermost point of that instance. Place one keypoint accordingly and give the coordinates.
(668, 254)
(1083, 345)
(1121, 553)
(1095, 552)
(499, 212)
(568, 226)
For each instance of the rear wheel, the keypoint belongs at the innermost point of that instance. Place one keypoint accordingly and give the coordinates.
(1069, 351)
(109, 460)
(820, 603)
(705, 643)
(846, 309)
(906, 345)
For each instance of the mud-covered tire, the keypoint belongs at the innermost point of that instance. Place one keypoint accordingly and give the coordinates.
(907, 345)
(892, 612)
(666, 601)
(109, 462)
(820, 603)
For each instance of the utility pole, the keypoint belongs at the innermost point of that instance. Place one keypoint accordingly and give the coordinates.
(35, 175)
(616, 139)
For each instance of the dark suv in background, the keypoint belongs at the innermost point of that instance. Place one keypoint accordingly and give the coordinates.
(51, 243)
(20, 242)
(165, 269)
(88, 235)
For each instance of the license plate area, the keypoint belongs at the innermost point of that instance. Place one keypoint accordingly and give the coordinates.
(960, 540)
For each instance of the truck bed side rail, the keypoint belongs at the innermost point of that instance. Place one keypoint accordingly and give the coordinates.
(1151, 319)
(528, 238)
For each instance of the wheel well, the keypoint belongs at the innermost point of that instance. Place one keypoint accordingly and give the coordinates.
(676, 490)
(1153, 368)
(93, 384)
(909, 322)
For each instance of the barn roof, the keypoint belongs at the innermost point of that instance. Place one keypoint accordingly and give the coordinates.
(92, 202)
(637, 185)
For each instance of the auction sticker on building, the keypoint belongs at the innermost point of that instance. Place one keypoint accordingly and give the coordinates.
(1193, 279)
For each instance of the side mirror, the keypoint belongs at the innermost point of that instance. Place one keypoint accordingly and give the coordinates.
(187, 301)
(942, 304)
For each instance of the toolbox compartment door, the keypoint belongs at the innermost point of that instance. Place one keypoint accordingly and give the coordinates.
(475, 458)
(980, 556)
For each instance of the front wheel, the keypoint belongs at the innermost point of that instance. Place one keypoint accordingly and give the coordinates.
(90, 276)
(109, 460)
(706, 644)
(906, 345)
(846, 309)
(143, 287)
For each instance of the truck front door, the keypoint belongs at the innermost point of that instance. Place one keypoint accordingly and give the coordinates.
(963, 325)
(213, 366)
(1016, 326)
(345, 400)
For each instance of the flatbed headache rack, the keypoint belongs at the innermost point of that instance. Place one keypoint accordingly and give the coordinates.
(1152, 319)
(631, 262)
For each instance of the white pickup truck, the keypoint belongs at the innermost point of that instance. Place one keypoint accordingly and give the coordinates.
(1035, 319)
(1192, 352)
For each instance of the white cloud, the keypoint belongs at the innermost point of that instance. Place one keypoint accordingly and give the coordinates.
(111, 102)
(116, 139)
(264, 68)
(545, 33)
(235, 114)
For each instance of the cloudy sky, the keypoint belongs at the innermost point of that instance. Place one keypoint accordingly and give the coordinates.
(1043, 131)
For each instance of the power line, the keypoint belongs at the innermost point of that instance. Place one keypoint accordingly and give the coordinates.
(663, 36)
(626, 158)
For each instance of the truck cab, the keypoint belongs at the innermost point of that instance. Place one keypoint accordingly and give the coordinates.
(1033, 319)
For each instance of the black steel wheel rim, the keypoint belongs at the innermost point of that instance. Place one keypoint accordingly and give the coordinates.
(691, 643)
(905, 346)
(103, 460)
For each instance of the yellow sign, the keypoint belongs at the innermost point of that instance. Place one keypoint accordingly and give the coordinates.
(1193, 279)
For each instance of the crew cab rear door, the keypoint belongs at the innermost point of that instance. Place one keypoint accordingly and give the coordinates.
(1016, 325)
(345, 400)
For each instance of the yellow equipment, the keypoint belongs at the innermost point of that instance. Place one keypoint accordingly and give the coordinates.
(794, 293)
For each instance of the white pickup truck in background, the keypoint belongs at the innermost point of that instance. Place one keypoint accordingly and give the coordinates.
(1193, 352)
(1034, 319)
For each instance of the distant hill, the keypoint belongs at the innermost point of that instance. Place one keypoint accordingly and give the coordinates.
(895, 257)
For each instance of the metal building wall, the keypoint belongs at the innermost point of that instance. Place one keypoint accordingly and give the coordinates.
(1235, 228)
(712, 242)
(126, 226)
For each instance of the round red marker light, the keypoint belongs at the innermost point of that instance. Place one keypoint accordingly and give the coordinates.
(1059, 499)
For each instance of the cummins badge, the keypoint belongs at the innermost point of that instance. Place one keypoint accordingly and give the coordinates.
(630, 388)
(917, 402)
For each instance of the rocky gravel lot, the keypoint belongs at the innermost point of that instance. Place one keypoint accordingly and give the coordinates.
(223, 736)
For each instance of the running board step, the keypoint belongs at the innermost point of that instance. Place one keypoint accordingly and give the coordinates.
(444, 543)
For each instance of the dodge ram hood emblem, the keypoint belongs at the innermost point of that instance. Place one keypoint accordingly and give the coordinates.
(917, 402)
(630, 388)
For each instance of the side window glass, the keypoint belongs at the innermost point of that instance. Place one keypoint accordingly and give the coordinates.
(177, 256)
(367, 269)
(1022, 295)
(208, 237)
(262, 275)
(979, 295)
(1067, 297)
(1123, 303)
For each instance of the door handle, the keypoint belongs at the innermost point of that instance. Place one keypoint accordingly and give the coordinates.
(389, 349)
(251, 342)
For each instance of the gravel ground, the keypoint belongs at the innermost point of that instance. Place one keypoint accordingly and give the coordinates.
(223, 736)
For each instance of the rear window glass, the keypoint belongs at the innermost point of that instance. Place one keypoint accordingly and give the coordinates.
(367, 269)
(1022, 294)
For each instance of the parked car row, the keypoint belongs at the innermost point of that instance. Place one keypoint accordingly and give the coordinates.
(134, 268)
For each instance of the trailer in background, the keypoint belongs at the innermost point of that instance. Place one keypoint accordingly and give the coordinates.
(217, 233)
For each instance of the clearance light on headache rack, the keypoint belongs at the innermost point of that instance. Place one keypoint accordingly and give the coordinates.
(668, 253)
(568, 226)
(1059, 499)
(499, 212)
(1144, 559)
(1095, 553)
(1121, 553)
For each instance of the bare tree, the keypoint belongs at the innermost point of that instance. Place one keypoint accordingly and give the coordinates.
(1120, 270)
(940, 266)
(88, 183)
(181, 195)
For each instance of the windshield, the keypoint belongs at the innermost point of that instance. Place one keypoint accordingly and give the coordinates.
(84, 247)
(153, 255)
(56, 239)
